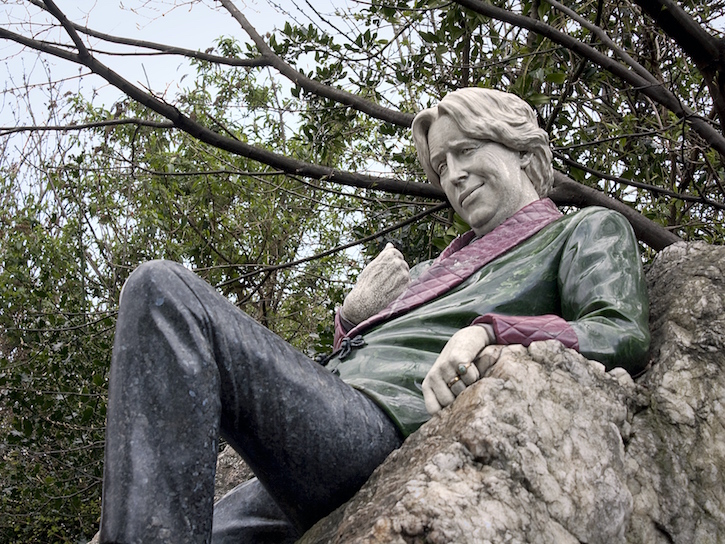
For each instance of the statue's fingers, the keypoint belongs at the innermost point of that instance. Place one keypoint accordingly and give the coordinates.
(432, 406)
(468, 373)
(442, 391)
(487, 358)
(457, 388)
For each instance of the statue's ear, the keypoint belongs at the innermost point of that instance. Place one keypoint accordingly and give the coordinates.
(526, 157)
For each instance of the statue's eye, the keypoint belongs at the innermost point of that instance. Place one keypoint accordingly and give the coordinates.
(469, 149)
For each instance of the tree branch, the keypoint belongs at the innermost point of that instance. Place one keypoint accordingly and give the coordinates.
(657, 92)
(640, 185)
(315, 87)
(343, 247)
(568, 192)
(705, 50)
(39, 46)
(51, 8)
(173, 50)
(606, 40)
(4, 131)
(162, 48)
(695, 41)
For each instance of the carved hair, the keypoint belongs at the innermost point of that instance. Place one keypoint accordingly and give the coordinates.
(486, 114)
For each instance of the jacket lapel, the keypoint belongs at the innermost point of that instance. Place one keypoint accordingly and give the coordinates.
(463, 257)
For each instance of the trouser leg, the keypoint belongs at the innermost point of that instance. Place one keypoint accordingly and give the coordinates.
(187, 365)
(249, 514)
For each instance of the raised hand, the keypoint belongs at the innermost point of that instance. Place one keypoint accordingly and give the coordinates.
(378, 285)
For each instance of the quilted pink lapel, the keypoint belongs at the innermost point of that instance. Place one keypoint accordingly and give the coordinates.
(462, 258)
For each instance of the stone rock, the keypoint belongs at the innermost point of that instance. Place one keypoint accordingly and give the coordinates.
(549, 448)
(532, 453)
(231, 470)
(676, 457)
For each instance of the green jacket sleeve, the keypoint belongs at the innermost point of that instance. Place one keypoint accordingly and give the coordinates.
(603, 292)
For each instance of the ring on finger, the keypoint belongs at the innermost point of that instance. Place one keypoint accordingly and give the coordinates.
(453, 381)
(462, 369)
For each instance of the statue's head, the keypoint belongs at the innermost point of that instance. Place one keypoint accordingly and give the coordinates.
(487, 114)
(488, 140)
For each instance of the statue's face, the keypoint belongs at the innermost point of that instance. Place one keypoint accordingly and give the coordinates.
(484, 181)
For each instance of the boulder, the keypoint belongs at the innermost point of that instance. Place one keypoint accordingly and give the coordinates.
(676, 457)
(532, 453)
(231, 470)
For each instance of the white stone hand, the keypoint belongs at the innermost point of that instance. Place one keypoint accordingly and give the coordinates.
(381, 282)
(464, 359)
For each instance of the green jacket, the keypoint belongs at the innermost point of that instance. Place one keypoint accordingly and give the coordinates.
(578, 279)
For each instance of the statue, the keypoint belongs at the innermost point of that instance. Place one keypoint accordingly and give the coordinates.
(188, 365)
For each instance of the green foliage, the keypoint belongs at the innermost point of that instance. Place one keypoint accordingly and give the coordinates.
(55, 351)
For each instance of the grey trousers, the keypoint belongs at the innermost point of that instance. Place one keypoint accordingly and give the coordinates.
(188, 366)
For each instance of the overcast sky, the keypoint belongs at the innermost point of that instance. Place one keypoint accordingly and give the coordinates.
(193, 26)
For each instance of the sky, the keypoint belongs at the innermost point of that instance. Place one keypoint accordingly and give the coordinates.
(192, 25)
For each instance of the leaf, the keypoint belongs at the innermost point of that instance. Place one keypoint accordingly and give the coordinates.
(538, 99)
(556, 77)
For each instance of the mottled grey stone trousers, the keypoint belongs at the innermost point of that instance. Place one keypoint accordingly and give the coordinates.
(188, 366)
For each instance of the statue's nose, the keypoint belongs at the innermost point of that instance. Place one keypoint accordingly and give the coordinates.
(456, 171)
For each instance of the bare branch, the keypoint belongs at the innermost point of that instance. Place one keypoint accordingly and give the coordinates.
(640, 185)
(162, 48)
(568, 192)
(4, 131)
(614, 138)
(83, 53)
(39, 46)
(173, 50)
(657, 92)
(343, 247)
(315, 87)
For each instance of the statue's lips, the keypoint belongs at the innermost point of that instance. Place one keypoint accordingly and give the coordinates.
(468, 192)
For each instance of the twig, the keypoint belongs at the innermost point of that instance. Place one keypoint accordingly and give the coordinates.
(343, 247)
(640, 185)
(4, 131)
(338, 95)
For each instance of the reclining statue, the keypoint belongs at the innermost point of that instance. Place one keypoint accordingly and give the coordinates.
(189, 366)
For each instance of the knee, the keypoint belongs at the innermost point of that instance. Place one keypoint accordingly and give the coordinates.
(149, 275)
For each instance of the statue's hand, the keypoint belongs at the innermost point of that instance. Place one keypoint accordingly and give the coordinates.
(377, 286)
(464, 359)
